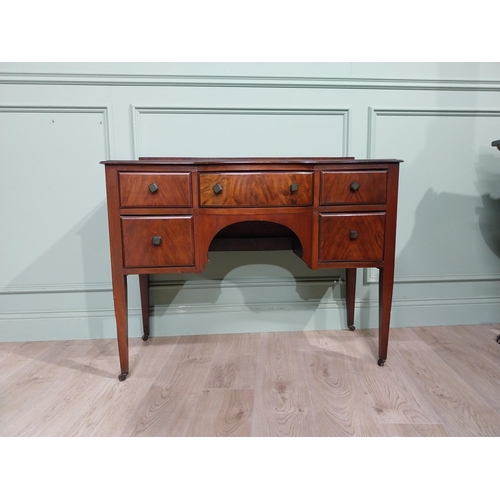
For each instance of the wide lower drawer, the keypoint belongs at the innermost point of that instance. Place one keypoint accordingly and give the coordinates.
(158, 241)
(256, 189)
(353, 187)
(155, 189)
(351, 237)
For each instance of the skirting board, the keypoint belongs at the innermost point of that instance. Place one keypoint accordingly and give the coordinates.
(172, 321)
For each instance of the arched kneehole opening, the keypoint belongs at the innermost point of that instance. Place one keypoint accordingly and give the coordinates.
(256, 235)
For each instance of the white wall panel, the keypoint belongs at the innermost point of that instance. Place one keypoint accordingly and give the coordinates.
(241, 132)
(53, 193)
(453, 231)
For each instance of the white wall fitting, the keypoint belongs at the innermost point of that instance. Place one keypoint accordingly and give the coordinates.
(57, 121)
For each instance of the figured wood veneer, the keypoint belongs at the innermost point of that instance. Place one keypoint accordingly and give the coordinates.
(336, 187)
(176, 247)
(256, 189)
(336, 243)
(172, 190)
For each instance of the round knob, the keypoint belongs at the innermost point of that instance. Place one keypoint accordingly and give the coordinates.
(153, 187)
(217, 188)
(156, 240)
(353, 235)
(294, 187)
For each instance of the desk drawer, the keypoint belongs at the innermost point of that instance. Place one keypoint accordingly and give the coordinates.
(155, 189)
(256, 189)
(158, 241)
(353, 187)
(351, 237)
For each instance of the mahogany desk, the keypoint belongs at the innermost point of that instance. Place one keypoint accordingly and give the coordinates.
(165, 214)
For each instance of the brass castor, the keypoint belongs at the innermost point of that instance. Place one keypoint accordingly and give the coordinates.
(122, 376)
(381, 362)
(351, 327)
(145, 337)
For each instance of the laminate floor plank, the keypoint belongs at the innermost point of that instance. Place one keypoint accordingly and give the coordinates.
(479, 371)
(397, 334)
(15, 355)
(222, 413)
(415, 430)
(282, 404)
(324, 340)
(235, 362)
(167, 407)
(460, 408)
(106, 412)
(360, 345)
(481, 337)
(341, 407)
(86, 377)
(393, 397)
(478, 339)
(27, 385)
(42, 405)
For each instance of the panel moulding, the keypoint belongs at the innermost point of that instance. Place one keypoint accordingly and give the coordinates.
(138, 111)
(217, 309)
(56, 288)
(69, 109)
(370, 275)
(72, 287)
(242, 81)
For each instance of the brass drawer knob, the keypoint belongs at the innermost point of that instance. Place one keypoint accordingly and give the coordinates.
(156, 240)
(217, 188)
(353, 235)
(294, 187)
(355, 186)
(153, 188)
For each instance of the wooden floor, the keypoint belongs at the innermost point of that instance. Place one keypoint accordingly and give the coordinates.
(437, 381)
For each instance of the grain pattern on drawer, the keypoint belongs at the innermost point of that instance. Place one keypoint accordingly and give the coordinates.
(353, 187)
(351, 237)
(158, 241)
(256, 189)
(155, 189)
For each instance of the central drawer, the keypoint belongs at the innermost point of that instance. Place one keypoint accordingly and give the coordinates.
(158, 241)
(256, 189)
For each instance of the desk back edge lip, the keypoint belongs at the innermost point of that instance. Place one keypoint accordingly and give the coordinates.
(244, 161)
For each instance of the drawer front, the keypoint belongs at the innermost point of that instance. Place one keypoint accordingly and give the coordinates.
(351, 237)
(256, 189)
(353, 187)
(155, 189)
(158, 241)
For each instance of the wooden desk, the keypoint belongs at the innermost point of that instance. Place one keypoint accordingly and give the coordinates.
(165, 214)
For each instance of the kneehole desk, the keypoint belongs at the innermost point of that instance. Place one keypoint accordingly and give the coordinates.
(165, 214)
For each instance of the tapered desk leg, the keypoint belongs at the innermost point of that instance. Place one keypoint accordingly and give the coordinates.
(121, 313)
(386, 284)
(350, 278)
(144, 288)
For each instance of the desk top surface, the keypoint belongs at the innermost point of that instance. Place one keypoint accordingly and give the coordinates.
(150, 160)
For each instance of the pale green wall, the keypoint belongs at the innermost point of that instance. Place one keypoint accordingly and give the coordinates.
(57, 121)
